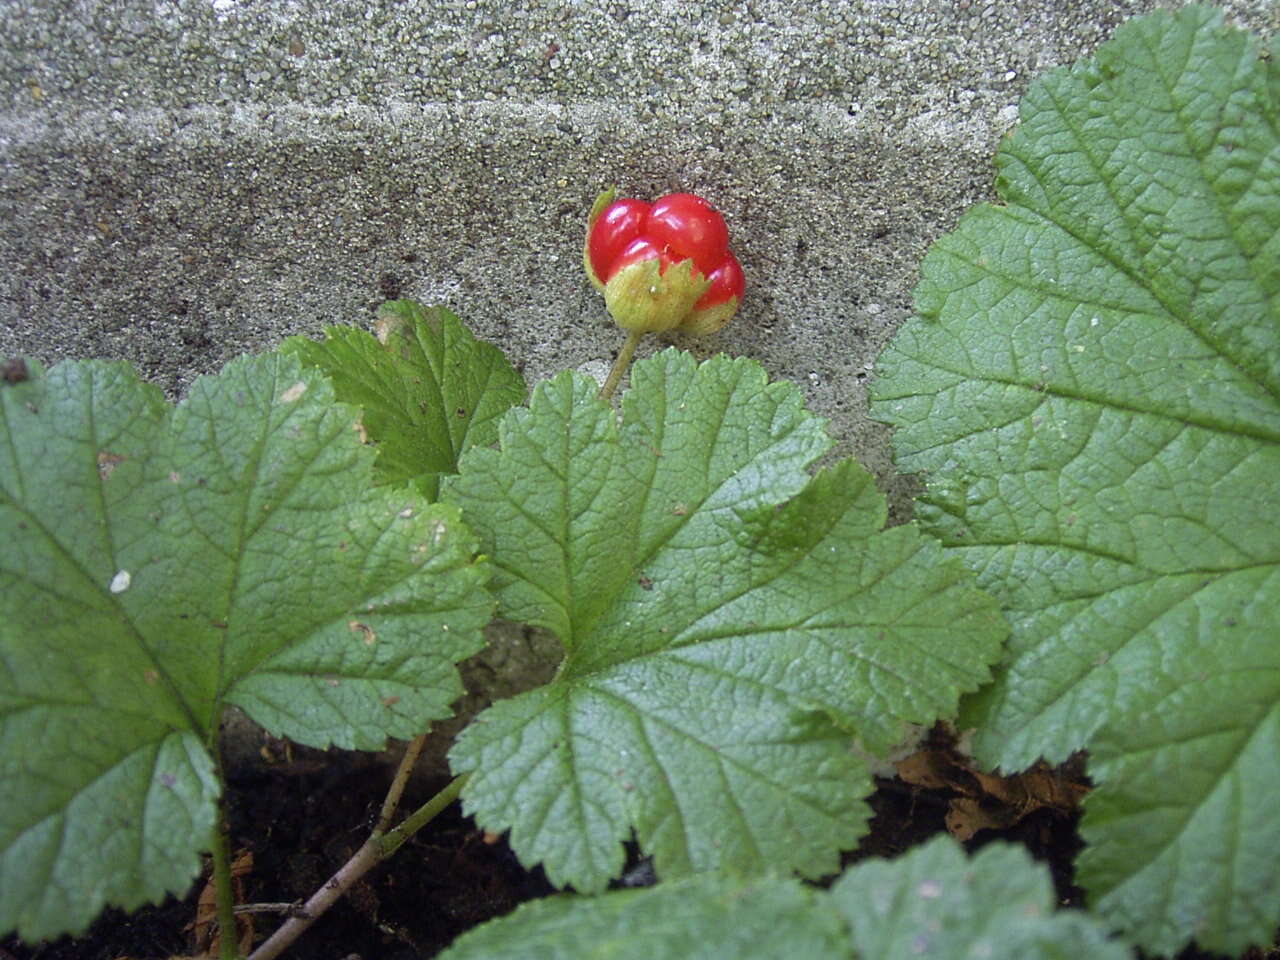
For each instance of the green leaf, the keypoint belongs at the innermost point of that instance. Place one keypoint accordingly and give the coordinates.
(161, 563)
(705, 916)
(933, 902)
(428, 389)
(1093, 389)
(937, 902)
(729, 624)
(1182, 836)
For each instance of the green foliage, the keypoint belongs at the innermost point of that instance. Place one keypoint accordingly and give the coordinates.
(427, 388)
(933, 902)
(732, 624)
(936, 902)
(704, 917)
(1093, 391)
(729, 625)
(162, 563)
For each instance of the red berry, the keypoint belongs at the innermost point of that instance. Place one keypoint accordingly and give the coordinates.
(678, 229)
(690, 228)
(620, 223)
(727, 282)
(641, 248)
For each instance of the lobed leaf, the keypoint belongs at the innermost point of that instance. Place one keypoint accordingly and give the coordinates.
(933, 902)
(1092, 388)
(163, 563)
(937, 902)
(730, 625)
(703, 917)
(427, 388)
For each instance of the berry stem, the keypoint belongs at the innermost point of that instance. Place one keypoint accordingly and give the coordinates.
(620, 365)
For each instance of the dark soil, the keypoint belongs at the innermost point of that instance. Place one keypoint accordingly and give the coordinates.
(302, 815)
(302, 819)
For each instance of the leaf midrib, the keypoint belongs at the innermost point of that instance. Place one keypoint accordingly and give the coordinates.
(1082, 146)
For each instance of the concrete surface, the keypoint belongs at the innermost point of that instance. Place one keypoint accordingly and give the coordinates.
(184, 181)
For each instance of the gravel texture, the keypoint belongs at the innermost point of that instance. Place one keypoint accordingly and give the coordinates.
(184, 181)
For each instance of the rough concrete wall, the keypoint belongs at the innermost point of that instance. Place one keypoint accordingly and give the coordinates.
(185, 181)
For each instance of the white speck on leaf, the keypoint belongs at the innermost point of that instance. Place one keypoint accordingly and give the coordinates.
(293, 393)
(120, 582)
(930, 890)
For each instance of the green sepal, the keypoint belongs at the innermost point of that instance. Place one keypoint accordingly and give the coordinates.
(642, 299)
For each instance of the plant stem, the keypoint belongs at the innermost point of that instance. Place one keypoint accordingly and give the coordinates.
(620, 365)
(372, 852)
(264, 908)
(423, 815)
(396, 789)
(228, 932)
(360, 863)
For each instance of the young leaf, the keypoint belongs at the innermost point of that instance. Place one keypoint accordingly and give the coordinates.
(728, 623)
(704, 916)
(1093, 387)
(429, 390)
(162, 563)
(937, 902)
(933, 902)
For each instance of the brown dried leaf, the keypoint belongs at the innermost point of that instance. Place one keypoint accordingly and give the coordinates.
(206, 922)
(986, 801)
